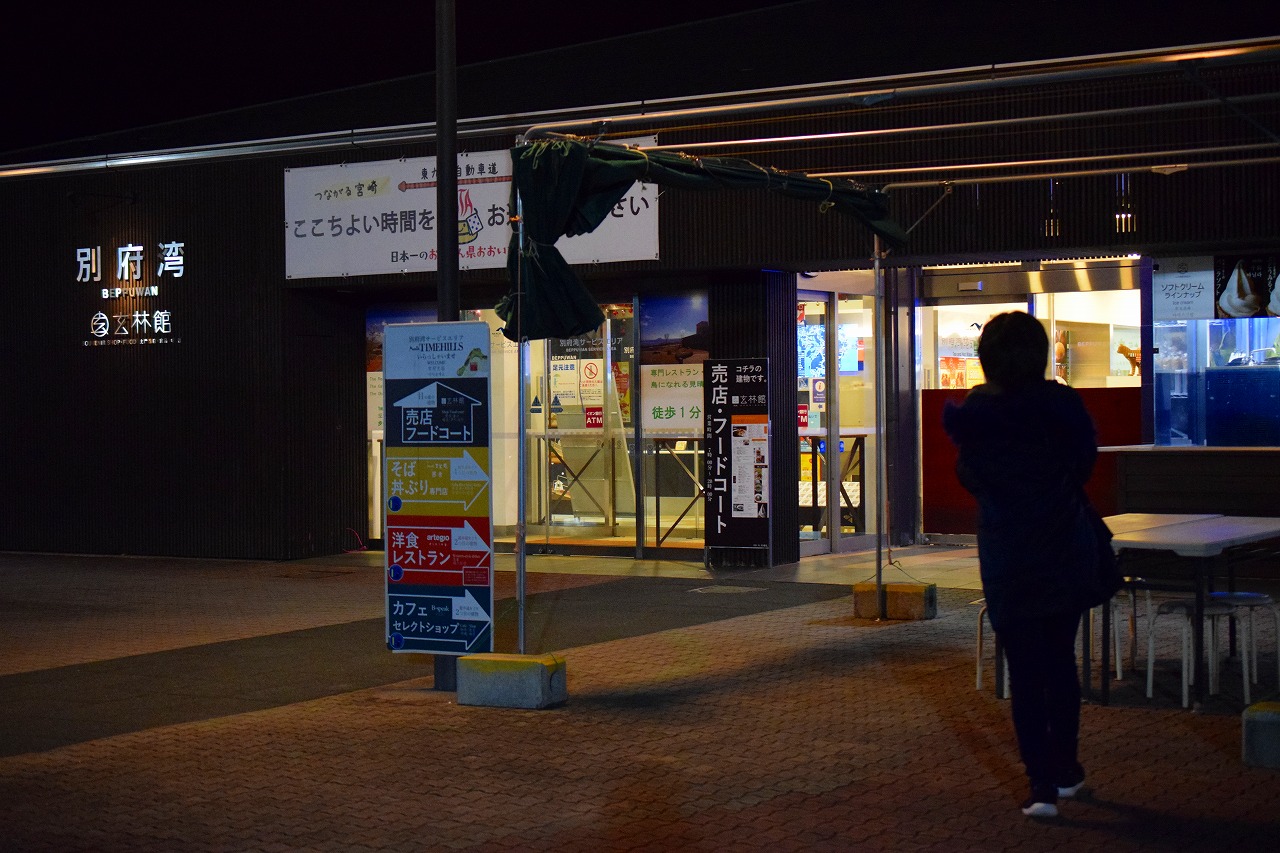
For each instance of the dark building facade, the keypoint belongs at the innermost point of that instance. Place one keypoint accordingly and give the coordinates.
(196, 401)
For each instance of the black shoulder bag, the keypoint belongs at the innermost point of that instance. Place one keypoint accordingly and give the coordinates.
(1105, 579)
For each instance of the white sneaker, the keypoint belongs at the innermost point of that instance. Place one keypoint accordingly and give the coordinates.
(1071, 790)
(1041, 804)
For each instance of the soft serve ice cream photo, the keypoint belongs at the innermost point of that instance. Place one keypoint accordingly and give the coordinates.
(1238, 296)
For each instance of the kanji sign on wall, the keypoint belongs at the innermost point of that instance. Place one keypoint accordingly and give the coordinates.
(737, 453)
(438, 489)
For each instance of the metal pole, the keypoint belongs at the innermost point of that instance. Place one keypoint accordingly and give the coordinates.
(637, 455)
(446, 164)
(446, 666)
(522, 433)
(881, 376)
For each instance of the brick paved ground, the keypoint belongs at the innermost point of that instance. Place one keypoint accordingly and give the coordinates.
(794, 729)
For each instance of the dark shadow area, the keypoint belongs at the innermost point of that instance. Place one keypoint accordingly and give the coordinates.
(632, 607)
(1160, 829)
(843, 656)
(56, 707)
(50, 708)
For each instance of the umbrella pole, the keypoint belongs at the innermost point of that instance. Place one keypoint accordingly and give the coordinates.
(881, 375)
(446, 666)
(522, 441)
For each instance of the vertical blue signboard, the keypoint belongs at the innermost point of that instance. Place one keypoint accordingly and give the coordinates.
(437, 484)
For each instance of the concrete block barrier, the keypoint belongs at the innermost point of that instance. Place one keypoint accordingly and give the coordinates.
(512, 681)
(1260, 735)
(866, 603)
(901, 600)
(911, 600)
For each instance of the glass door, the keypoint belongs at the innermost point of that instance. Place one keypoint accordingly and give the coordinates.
(813, 419)
(855, 403)
(580, 486)
(836, 417)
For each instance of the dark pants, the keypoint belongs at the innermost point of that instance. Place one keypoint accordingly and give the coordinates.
(1044, 692)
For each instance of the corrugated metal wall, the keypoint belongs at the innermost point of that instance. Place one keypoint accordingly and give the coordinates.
(1225, 208)
(216, 439)
(1202, 210)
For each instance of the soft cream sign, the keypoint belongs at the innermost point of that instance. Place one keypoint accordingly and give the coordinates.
(1182, 289)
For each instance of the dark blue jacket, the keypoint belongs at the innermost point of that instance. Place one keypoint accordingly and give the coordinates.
(1026, 455)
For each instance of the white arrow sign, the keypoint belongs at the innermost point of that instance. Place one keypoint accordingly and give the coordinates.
(467, 538)
(466, 467)
(468, 609)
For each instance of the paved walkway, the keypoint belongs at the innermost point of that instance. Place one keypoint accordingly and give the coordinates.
(750, 711)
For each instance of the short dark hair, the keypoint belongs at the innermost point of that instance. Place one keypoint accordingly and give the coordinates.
(1013, 349)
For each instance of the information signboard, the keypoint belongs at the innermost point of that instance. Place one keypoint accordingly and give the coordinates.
(1182, 289)
(380, 217)
(737, 453)
(438, 488)
(673, 397)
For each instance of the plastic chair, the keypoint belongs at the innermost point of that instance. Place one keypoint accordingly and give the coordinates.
(1132, 586)
(1116, 646)
(1186, 608)
(1250, 602)
(982, 613)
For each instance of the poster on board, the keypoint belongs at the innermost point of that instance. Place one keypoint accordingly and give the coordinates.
(737, 453)
(1246, 286)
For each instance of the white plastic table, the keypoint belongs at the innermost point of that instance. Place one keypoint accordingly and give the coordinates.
(1131, 521)
(1204, 542)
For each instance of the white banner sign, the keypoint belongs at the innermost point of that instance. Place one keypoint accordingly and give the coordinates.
(564, 382)
(672, 395)
(380, 218)
(1182, 289)
(591, 381)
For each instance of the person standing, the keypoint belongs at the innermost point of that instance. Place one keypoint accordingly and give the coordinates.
(1026, 448)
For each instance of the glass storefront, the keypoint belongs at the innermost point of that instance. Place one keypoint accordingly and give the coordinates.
(578, 425)
(614, 428)
(1217, 382)
(1096, 339)
(586, 483)
(1215, 350)
(836, 413)
(613, 420)
(1092, 313)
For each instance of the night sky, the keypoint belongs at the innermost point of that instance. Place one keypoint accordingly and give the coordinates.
(105, 67)
(69, 74)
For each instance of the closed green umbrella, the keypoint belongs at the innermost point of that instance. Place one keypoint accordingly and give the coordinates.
(567, 187)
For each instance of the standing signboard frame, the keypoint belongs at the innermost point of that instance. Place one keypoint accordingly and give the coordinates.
(438, 488)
